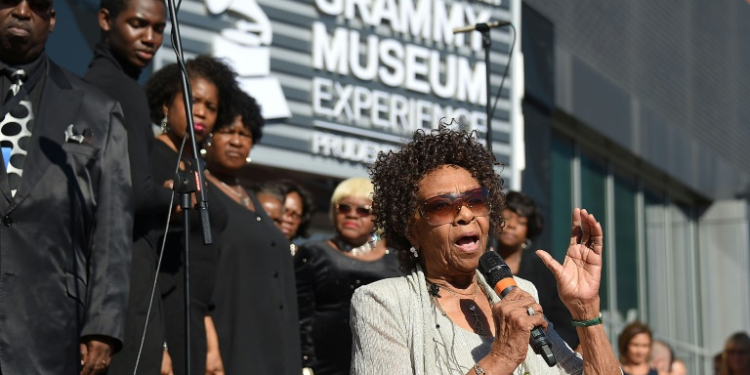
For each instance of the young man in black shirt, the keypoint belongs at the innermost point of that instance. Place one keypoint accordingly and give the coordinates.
(132, 33)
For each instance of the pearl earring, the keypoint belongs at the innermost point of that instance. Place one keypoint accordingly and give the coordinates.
(163, 125)
(414, 252)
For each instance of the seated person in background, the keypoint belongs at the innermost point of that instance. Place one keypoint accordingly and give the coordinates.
(271, 197)
(678, 367)
(634, 343)
(523, 223)
(735, 360)
(661, 357)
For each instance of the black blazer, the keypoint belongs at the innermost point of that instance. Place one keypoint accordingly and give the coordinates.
(65, 237)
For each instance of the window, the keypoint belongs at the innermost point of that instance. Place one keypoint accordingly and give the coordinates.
(562, 196)
(650, 256)
(626, 246)
(594, 199)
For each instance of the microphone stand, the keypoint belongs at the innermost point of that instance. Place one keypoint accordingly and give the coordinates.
(484, 28)
(189, 181)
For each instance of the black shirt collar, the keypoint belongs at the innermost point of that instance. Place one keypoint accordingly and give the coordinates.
(30, 67)
(102, 52)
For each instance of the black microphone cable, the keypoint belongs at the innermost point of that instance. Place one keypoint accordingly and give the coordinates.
(158, 263)
(505, 72)
(183, 71)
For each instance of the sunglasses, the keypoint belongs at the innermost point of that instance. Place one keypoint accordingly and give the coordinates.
(38, 6)
(362, 211)
(442, 209)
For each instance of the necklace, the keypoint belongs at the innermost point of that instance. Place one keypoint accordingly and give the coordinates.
(477, 326)
(244, 199)
(363, 249)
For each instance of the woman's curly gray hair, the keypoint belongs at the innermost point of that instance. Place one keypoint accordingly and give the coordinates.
(395, 176)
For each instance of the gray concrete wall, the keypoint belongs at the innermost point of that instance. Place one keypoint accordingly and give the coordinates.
(664, 79)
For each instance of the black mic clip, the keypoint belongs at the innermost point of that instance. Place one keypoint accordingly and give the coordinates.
(433, 289)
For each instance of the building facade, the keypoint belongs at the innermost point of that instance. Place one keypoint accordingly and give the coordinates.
(637, 111)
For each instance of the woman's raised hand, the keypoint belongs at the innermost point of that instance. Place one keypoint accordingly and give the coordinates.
(579, 277)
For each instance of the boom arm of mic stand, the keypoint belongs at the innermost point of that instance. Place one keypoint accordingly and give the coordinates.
(486, 45)
(188, 102)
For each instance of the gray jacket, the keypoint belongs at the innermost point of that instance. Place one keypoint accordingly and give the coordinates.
(393, 328)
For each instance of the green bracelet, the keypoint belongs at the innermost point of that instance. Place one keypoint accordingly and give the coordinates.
(588, 323)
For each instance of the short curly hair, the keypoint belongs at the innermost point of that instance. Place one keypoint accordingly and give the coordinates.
(524, 206)
(396, 175)
(243, 105)
(114, 7)
(164, 85)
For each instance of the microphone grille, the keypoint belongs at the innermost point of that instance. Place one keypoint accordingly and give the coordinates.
(493, 267)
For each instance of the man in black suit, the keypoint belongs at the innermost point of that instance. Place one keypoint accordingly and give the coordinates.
(65, 204)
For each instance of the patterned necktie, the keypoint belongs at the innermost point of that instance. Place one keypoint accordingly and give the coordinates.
(14, 129)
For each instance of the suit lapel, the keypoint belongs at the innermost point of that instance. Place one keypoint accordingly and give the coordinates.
(57, 109)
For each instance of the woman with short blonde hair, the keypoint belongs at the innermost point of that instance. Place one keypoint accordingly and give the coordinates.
(329, 271)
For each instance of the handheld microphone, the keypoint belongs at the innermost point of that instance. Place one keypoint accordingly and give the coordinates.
(498, 275)
(480, 26)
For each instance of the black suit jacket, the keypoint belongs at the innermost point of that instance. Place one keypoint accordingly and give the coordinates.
(65, 236)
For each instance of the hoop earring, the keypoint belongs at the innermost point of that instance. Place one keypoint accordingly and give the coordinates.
(414, 252)
(163, 125)
(526, 244)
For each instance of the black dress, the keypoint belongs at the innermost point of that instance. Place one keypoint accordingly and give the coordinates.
(203, 263)
(533, 269)
(326, 281)
(255, 301)
(118, 79)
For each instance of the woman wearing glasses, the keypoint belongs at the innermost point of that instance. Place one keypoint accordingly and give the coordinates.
(328, 272)
(735, 360)
(437, 199)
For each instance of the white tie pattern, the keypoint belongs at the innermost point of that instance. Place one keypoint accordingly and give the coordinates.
(14, 130)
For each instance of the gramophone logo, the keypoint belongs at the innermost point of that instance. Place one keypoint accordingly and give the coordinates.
(247, 47)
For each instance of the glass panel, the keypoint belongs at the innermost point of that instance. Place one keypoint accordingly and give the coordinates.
(562, 196)
(656, 261)
(683, 274)
(626, 246)
(593, 199)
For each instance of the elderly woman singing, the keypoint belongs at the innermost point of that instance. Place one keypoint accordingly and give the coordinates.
(438, 198)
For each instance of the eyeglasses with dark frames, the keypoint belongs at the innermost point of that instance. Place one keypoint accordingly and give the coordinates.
(296, 216)
(442, 209)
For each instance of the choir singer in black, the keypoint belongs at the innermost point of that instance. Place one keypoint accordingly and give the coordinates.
(65, 203)
(132, 32)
